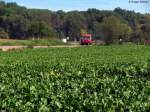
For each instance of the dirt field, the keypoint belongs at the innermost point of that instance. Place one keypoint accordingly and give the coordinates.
(20, 47)
(9, 48)
(7, 40)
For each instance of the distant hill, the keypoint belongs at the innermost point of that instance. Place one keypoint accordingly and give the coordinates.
(21, 23)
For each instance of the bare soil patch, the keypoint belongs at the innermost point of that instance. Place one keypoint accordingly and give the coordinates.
(8, 40)
(9, 48)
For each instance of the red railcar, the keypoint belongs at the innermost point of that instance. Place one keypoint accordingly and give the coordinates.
(86, 39)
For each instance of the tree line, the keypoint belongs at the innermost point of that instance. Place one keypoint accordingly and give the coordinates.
(22, 23)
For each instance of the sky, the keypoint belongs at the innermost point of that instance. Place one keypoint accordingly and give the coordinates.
(69, 5)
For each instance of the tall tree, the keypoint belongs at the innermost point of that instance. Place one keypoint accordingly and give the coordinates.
(112, 28)
(73, 25)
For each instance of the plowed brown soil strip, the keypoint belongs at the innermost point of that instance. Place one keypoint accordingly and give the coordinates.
(9, 48)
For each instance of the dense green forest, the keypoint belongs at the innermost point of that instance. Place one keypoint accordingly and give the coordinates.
(22, 23)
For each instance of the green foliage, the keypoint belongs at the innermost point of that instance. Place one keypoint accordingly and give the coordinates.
(35, 42)
(45, 30)
(75, 22)
(76, 79)
(3, 34)
(40, 30)
(98, 30)
(146, 28)
(130, 16)
(22, 23)
(112, 28)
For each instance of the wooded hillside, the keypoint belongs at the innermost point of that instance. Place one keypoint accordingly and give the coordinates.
(22, 23)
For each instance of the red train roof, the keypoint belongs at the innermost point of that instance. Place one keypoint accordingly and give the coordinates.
(86, 35)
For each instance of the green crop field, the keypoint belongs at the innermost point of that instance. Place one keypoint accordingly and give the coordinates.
(91, 79)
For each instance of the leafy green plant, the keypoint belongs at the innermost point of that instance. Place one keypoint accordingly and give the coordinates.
(106, 78)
